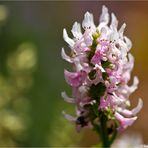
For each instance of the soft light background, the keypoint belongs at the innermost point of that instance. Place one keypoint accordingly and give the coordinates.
(31, 69)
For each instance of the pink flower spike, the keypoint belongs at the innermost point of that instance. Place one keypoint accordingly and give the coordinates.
(101, 69)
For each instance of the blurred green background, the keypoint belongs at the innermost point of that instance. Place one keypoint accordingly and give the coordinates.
(31, 69)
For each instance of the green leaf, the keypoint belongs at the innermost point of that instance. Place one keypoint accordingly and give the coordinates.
(96, 91)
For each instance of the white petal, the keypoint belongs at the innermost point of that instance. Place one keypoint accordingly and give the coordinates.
(69, 117)
(121, 30)
(128, 43)
(135, 85)
(116, 51)
(103, 29)
(66, 57)
(104, 16)
(113, 35)
(131, 61)
(138, 107)
(114, 22)
(77, 63)
(123, 48)
(66, 98)
(117, 100)
(88, 22)
(67, 39)
(76, 30)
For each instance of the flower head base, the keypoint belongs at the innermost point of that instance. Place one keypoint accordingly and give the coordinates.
(102, 68)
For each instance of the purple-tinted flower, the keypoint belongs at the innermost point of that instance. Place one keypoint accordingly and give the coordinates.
(75, 79)
(124, 122)
(102, 66)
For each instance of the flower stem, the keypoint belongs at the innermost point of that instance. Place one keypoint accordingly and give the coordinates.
(103, 131)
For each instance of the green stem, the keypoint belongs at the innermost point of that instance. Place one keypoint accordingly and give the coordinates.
(103, 131)
(113, 136)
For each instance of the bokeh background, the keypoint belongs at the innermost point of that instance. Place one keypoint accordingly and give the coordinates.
(31, 69)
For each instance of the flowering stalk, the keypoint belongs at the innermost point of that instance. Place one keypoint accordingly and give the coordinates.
(102, 66)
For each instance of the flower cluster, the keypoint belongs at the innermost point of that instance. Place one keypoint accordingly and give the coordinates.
(102, 66)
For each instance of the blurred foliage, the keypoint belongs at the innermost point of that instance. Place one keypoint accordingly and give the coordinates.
(14, 105)
(65, 136)
(22, 118)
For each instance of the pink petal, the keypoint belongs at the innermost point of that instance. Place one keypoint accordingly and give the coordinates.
(74, 78)
(96, 58)
(133, 112)
(124, 122)
(125, 112)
